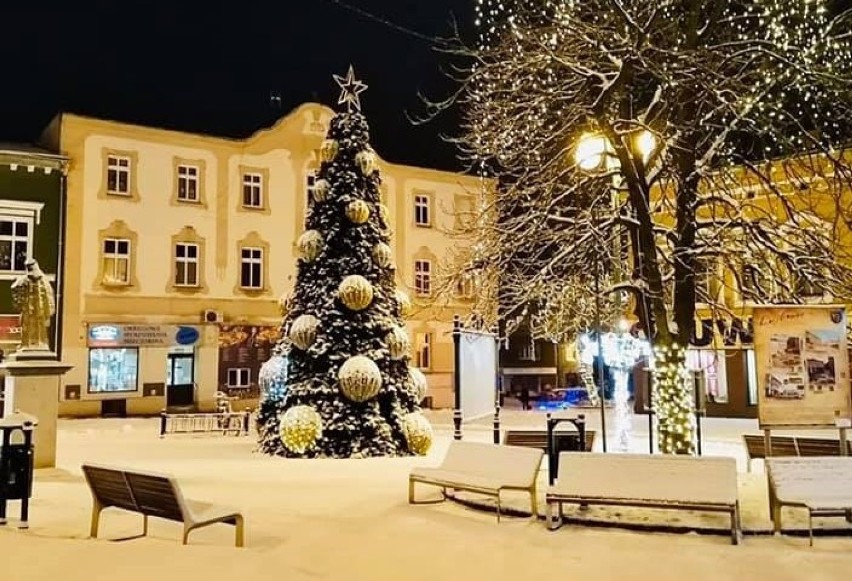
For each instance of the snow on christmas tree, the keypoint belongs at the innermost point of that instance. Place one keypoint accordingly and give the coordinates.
(339, 384)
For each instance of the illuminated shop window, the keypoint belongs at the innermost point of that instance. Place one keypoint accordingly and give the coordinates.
(113, 369)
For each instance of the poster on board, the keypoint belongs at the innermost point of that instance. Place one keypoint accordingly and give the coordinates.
(802, 366)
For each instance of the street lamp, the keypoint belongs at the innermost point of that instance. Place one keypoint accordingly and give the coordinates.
(595, 154)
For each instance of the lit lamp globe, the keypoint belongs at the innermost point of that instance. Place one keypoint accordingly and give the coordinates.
(303, 331)
(403, 301)
(398, 343)
(356, 292)
(310, 245)
(321, 190)
(358, 211)
(360, 378)
(300, 427)
(329, 149)
(419, 384)
(417, 432)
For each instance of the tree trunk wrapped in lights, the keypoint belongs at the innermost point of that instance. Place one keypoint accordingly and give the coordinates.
(673, 401)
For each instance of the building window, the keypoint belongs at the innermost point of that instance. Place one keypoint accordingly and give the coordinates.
(424, 350)
(116, 260)
(704, 270)
(421, 210)
(187, 176)
(422, 277)
(465, 287)
(15, 248)
(527, 351)
(118, 175)
(253, 190)
(251, 268)
(113, 369)
(186, 264)
(239, 377)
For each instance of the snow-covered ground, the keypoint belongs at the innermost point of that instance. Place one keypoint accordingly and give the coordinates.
(349, 519)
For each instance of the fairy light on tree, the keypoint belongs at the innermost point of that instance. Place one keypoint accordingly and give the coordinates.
(741, 94)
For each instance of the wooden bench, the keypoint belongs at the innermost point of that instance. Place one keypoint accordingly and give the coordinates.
(538, 439)
(791, 446)
(156, 495)
(484, 469)
(658, 481)
(822, 485)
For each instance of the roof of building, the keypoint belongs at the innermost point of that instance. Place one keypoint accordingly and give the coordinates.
(27, 150)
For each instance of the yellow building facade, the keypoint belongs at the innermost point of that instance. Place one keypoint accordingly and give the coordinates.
(179, 247)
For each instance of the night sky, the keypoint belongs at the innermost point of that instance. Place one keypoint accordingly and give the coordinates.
(210, 67)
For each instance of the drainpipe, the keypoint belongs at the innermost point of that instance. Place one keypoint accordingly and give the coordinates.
(60, 266)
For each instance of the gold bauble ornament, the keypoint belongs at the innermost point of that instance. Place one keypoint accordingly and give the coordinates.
(329, 149)
(310, 245)
(356, 292)
(300, 428)
(303, 331)
(366, 161)
(285, 303)
(419, 384)
(382, 255)
(321, 190)
(358, 211)
(360, 378)
(418, 433)
(384, 214)
(398, 342)
(403, 301)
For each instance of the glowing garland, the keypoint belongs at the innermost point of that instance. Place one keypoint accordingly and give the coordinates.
(673, 401)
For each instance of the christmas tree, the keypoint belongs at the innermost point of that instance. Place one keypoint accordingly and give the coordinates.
(339, 383)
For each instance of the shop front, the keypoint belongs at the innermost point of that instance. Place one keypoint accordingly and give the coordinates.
(242, 351)
(721, 353)
(140, 369)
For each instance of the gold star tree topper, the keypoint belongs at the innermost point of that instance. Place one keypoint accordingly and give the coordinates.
(350, 88)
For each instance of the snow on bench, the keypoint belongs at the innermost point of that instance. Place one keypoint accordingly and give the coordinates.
(484, 469)
(676, 482)
(822, 485)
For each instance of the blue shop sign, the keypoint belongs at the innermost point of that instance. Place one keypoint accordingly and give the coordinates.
(116, 335)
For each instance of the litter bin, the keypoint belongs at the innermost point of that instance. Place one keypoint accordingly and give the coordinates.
(571, 441)
(16, 463)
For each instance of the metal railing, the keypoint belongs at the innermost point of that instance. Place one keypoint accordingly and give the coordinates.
(234, 423)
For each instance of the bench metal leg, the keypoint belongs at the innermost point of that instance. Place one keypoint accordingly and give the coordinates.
(498, 506)
(186, 535)
(239, 540)
(96, 517)
(735, 524)
(534, 503)
(811, 528)
(776, 517)
(144, 525)
(553, 523)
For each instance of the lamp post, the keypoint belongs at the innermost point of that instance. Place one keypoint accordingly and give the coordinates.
(594, 154)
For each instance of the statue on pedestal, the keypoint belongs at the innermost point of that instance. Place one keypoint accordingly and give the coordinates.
(32, 295)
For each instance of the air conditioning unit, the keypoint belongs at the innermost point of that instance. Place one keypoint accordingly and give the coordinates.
(211, 316)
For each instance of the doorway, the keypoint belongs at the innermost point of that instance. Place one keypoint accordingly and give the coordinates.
(180, 377)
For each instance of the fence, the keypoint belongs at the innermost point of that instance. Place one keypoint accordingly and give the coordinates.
(235, 423)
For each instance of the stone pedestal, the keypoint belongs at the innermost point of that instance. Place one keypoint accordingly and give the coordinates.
(32, 381)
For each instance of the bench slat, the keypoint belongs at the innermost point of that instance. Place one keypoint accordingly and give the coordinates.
(156, 496)
(110, 487)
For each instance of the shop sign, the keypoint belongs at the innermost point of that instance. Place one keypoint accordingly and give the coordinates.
(110, 335)
(10, 328)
